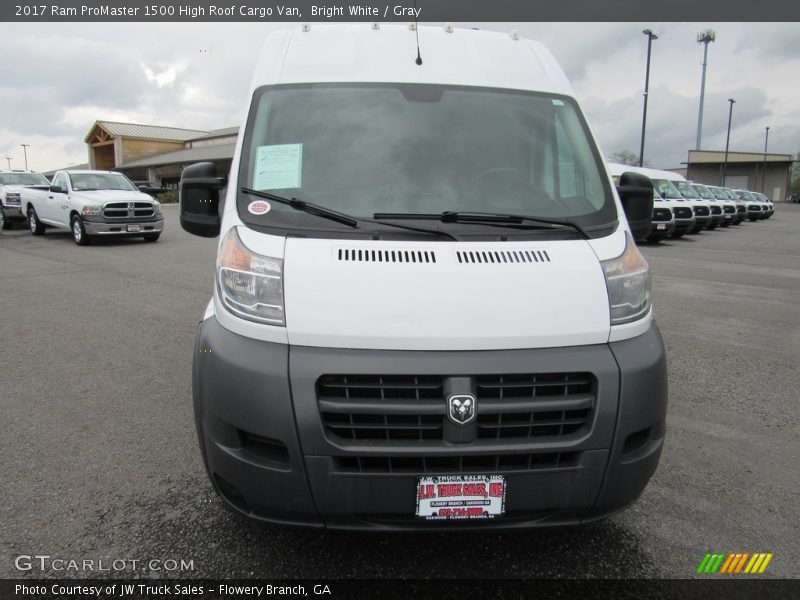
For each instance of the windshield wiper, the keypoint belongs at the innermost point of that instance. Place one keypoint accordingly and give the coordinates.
(327, 213)
(479, 218)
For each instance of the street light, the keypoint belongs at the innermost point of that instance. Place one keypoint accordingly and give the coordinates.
(727, 140)
(764, 169)
(25, 150)
(8, 158)
(650, 37)
(704, 37)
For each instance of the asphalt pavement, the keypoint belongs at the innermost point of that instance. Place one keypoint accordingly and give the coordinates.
(100, 459)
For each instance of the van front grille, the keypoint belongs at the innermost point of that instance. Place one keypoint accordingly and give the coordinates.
(662, 214)
(716, 209)
(682, 212)
(701, 211)
(447, 464)
(392, 409)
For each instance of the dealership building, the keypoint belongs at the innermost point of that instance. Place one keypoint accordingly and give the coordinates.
(755, 171)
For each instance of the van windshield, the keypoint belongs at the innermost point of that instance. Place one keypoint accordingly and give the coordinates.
(687, 190)
(666, 189)
(363, 149)
(704, 192)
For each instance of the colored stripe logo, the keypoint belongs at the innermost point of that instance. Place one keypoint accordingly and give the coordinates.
(732, 563)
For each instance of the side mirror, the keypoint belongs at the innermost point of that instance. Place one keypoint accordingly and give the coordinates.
(199, 199)
(57, 189)
(636, 194)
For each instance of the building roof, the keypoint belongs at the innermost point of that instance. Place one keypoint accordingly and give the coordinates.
(215, 133)
(188, 155)
(148, 132)
(718, 157)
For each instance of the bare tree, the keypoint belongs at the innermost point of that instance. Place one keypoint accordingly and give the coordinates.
(625, 157)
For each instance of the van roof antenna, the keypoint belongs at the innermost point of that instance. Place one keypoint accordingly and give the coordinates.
(416, 30)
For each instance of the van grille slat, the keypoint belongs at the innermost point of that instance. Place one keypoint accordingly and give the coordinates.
(442, 465)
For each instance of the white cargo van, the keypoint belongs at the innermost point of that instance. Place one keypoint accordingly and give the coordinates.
(429, 311)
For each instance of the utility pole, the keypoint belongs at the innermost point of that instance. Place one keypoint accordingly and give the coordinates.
(650, 37)
(727, 141)
(764, 169)
(25, 150)
(8, 158)
(704, 37)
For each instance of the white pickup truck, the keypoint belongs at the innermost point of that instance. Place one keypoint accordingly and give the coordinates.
(11, 184)
(92, 203)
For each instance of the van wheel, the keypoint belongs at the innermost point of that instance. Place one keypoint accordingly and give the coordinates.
(151, 237)
(34, 224)
(79, 232)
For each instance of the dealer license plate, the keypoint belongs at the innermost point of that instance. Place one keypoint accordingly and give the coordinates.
(461, 497)
(134, 228)
(661, 226)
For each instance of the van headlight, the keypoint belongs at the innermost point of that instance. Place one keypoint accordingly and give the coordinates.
(628, 283)
(250, 285)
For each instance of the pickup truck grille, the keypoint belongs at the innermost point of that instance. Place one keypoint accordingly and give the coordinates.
(662, 214)
(128, 210)
(391, 410)
(701, 211)
(682, 212)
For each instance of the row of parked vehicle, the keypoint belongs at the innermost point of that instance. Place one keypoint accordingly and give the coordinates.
(90, 204)
(682, 207)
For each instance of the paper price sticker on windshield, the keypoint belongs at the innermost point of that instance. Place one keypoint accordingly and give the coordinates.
(460, 497)
(278, 166)
(259, 207)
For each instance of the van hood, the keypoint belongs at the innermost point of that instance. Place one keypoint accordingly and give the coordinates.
(444, 296)
(99, 197)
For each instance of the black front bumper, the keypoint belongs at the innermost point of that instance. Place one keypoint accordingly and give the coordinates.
(270, 457)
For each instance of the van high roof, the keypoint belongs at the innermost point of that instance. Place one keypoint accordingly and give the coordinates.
(387, 53)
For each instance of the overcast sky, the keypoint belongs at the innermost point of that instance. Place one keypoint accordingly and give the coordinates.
(57, 79)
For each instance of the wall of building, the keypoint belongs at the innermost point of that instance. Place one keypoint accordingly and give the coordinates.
(749, 175)
(132, 149)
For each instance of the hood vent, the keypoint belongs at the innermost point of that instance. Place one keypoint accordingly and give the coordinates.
(386, 256)
(502, 256)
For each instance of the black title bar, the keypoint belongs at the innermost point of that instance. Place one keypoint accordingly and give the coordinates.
(400, 10)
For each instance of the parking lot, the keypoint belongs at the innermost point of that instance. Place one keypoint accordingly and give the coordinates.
(100, 457)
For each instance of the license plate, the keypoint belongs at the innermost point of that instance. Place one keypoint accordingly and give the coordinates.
(461, 497)
(134, 228)
(661, 226)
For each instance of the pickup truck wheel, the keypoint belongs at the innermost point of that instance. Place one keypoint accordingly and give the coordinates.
(79, 232)
(151, 237)
(3, 223)
(34, 224)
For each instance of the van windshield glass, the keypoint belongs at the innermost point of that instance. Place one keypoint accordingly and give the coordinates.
(704, 192)
(363, 149)
(665, 189)
(686, 190)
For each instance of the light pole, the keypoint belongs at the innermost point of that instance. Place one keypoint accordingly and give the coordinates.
(704, 37)
(25, 150)
(8, 158)
(727, 141)
(764, 169)
(650, 37)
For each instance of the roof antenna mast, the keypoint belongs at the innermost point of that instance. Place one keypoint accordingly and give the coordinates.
(416, 30)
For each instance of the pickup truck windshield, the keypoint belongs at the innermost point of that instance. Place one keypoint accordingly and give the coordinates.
(363, 149)
(84, 182)
(23, 179)
(666, 189)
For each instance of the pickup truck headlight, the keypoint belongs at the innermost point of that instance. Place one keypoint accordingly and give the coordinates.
(250, 285)
(157, 207)
(91, 211)
(628, 282)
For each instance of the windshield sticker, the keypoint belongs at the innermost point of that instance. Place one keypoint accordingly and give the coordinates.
(259, 207)
(278, 167)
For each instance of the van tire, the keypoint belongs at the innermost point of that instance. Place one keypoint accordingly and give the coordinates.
(35, 226)
(79, 235)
